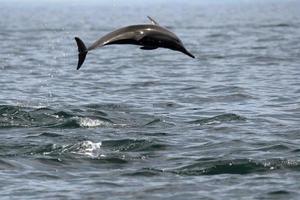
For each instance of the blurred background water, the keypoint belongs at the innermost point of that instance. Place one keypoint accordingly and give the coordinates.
(135, 124)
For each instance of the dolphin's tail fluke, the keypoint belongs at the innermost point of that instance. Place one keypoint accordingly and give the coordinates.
(82, 51)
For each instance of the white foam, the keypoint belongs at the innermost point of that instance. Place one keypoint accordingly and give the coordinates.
(87, 122)
(31, 105)
(88, 148)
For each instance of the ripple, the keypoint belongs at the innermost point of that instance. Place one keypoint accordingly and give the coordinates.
(108, 106)
(279, 192)
(276, 25)
(275, 147)
(44, 134)
(134, 145)
(233, 97)
(220, 35)
(282, 194)
(147, 172)
(154, 121)
(6, 165)
(43, 175)
(228, 117)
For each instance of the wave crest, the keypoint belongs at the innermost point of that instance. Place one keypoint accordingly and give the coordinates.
(17, 116)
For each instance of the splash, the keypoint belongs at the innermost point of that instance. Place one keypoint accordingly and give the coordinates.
(87, 148)
(87, 122)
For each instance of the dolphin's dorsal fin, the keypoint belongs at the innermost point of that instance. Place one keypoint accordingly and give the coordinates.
(152, 20)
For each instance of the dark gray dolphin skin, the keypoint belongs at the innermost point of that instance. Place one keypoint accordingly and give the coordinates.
(149, 36)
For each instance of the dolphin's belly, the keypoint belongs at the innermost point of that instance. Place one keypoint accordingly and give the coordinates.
(123, 41)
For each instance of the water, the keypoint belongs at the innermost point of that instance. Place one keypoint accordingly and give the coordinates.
(133, 124)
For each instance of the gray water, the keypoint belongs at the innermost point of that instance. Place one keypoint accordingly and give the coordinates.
(134, 124)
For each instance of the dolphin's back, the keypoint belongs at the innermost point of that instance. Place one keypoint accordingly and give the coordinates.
(130, 35)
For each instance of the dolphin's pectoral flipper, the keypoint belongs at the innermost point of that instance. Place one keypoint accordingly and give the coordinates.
(148, 47)
(152, 20)
(139, 35)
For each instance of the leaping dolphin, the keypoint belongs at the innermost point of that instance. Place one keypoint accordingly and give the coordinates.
(149, 36)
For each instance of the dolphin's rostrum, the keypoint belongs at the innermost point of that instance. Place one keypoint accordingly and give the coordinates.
(149, 36)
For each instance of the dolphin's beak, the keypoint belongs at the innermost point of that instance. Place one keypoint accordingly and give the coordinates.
(187, 53)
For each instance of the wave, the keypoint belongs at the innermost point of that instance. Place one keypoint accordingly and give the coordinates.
(237, 166)
(56, 151)
(26, 117)
(85, 116)
(123, 150)
(134, 145)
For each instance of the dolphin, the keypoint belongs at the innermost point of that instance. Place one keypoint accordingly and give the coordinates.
(149, 36)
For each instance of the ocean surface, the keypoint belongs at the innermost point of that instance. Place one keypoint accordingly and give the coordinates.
(134, 124)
